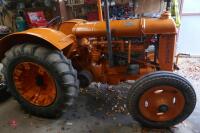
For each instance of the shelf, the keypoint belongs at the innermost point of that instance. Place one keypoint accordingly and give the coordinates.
(74, 4)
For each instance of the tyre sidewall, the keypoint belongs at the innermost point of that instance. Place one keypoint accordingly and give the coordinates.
(183, 87)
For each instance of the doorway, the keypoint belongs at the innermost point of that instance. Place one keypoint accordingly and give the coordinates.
(189, 36)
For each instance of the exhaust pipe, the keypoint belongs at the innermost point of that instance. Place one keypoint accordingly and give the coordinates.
(109, 36)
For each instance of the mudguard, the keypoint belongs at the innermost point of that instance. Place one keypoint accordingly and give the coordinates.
(40, 36)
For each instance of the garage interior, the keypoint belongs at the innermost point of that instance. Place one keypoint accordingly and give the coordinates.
(100, 107)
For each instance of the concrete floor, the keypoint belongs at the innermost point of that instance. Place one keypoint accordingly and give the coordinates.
(88, 116)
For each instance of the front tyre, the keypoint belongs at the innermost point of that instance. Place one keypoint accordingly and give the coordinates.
(161, 99)
(42, 80)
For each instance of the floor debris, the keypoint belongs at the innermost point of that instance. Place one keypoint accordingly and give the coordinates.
(103, 112)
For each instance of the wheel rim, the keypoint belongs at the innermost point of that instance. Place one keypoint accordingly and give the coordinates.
(162, 103)
(34, 83)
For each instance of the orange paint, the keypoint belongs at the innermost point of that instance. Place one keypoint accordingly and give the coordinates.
(34, 84)
(156, 97)
(86, 45)
(126, 28)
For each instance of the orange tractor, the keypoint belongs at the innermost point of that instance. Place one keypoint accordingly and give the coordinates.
(44, 67)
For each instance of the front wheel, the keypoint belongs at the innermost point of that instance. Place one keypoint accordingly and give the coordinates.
(42, 80)
(161, 99)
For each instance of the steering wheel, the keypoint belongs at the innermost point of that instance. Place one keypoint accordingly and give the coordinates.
(54, 21)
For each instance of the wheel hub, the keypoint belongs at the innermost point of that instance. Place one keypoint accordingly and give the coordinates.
(39, 80)
(34, 83)
(161, 103)
(163, 108)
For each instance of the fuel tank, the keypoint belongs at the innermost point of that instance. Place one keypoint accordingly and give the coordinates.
(126, 28)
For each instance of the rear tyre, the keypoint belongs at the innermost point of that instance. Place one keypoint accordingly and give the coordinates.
(42, 80)
(161, 99)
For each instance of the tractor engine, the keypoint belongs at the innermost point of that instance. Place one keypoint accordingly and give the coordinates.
(125, 50)
(137, 47)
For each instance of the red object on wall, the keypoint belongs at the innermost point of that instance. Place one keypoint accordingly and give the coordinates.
(90, 1)
(36, 19)
(92, 16)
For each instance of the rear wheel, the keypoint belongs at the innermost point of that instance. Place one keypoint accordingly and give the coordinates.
(42, 80)
(161, 99)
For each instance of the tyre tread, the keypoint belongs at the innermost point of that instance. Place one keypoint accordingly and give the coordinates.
(42, 54)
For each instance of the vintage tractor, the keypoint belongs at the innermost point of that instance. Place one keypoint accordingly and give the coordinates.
(44, 67)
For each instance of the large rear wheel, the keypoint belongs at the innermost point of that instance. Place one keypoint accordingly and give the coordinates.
(42, 80)
(161, 99)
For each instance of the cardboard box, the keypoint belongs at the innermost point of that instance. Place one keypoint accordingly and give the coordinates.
(148, 6)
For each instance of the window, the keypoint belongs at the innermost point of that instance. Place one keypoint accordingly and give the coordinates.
(191, 7)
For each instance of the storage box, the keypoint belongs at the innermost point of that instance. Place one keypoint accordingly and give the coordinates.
(148, 6)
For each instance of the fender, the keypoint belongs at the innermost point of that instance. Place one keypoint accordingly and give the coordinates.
(40, 36)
